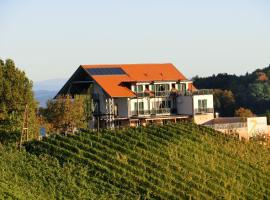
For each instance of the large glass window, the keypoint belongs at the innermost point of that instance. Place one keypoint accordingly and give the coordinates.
(135, 106)
(181, 86)
(141, 106)
(202, 105)
(162, 87)
(139, 88)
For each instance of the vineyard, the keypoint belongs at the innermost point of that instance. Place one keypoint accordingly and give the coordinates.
(173, 161)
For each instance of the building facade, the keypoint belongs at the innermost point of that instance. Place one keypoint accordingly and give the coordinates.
(137, 94)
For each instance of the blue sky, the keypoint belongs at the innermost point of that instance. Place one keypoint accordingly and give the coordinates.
(50, 39)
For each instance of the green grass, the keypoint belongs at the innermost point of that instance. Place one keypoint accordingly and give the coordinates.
(174, 161)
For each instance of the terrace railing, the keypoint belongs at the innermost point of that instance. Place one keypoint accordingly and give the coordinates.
(203, 110)
(190, 93)
(228, 125)
(162, 93)
(151, 112)
(161, 111)
(140, 112)
(143, 94)
(173, 92)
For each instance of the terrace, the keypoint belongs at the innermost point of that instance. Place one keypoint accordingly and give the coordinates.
(175, 92)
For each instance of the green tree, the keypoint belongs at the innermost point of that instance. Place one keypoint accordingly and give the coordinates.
(243, 112)
(16, 92)
(65, 113)
(1, 89)
(224, 102)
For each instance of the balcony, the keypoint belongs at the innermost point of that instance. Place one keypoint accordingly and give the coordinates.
(143, 94)
(203, 92)
(203, 110)
(153, 94)
(161, 111)
(162, 93)
(173, 92)
(151, 112)
(140, 112)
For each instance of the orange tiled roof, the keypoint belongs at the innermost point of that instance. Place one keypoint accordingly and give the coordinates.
(134, 73)
(112, 85)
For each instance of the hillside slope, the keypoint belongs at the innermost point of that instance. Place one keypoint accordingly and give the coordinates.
(157, 162)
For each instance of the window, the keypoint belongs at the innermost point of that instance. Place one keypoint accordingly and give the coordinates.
(202, 105)
(169, 104)
(141, 107)
(184, 87)
(153, 87)
(139, 88)
(181, 86)
(135, 88)
(162, 87)
(135, 106)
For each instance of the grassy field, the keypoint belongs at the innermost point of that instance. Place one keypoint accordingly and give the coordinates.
(174, 161)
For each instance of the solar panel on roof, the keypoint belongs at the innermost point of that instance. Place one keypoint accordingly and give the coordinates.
(105, 71)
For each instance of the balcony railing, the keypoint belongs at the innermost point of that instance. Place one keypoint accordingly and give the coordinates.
(140, 112)
(173, 92)
(203, 110)
(143, 94)
(162, 93)
(228, 126)
(160, 111)
(190, 93)
(151, 112)
(152, 94)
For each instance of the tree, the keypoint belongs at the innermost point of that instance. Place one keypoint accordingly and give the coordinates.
(224, 102)
(65, 113)
(243, 112)
(2, 116)
(15, 93)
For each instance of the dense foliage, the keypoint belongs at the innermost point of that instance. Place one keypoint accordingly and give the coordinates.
(251, 90)
(156, 162)
(64, 113)
(243, 112)
(15, 93)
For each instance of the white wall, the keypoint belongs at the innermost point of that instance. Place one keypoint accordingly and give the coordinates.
(144, 100)
(208, 97)
(256, 126)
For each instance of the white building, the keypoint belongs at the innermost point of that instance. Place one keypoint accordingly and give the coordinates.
(132, 94)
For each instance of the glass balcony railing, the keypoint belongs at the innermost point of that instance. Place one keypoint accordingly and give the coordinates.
(190, 93)
(140, 112)
(173, 92)
(143, 94)
(151, 112)
(161, 111)
(162, 93)
(203, 110)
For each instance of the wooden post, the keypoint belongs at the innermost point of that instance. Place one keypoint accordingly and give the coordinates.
(24, 134)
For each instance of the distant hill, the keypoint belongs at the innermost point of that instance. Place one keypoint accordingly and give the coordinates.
(45, 90)
(50, 85)
(42, 96)
(174, 161)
